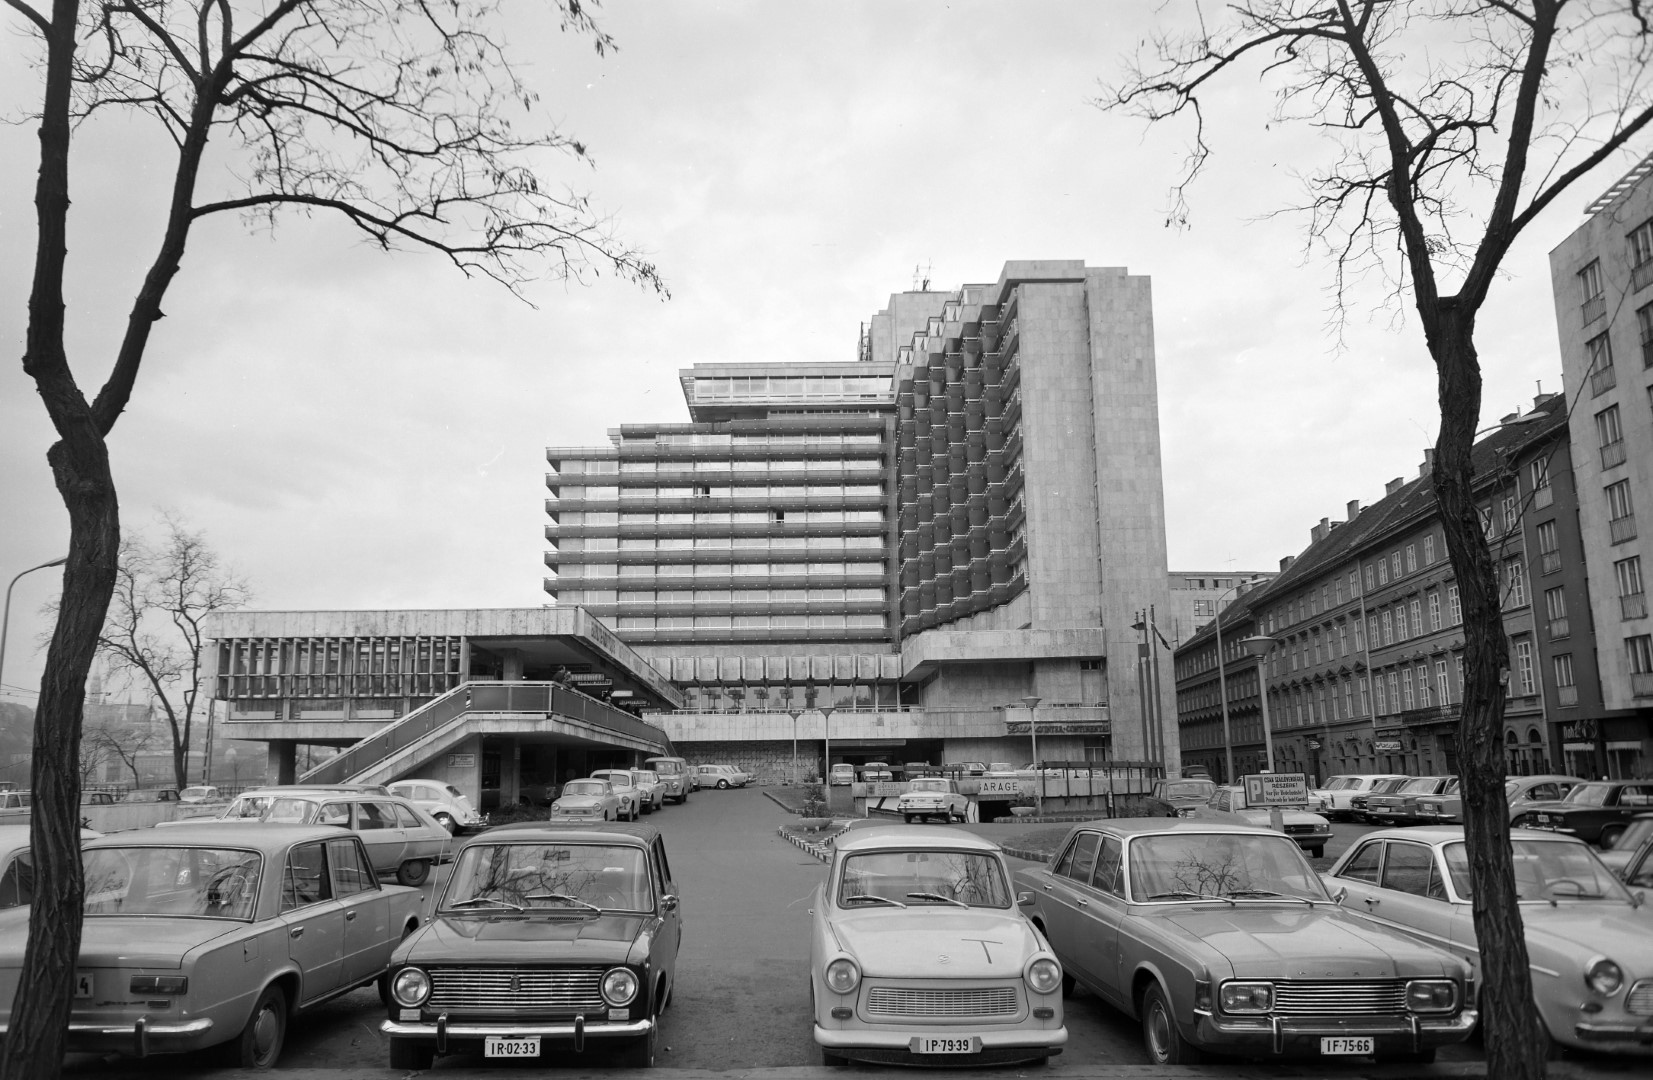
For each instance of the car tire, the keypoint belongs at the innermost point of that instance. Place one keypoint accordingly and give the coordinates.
(908, 817)
(411, 1054)
(259, 1044)
(723, 785)
(1609, 836)
(1160, 1034)
(448, 823)
(1317, 852)
(831, 1060)
(640, 1052)
(413, 872)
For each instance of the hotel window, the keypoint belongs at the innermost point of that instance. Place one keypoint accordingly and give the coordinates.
(1538, 475)
(1429, 550)
(1423, 686)
(1454, 609)
(1373, 637)
(1383, 571)
(1354, 584)
(1434, 609)
(1639, 650)
(1523, 668)
(1566, 684)
(1603, 378)
(1644, 333)
(1641, 255)
(1610, 437)
(1343, 638)
(1511, 514)
(1416, 608)
(1348, 697)
(1360, 635)
(1406, 688)
(1632, 600)
(1400, 621)
(1411, 558)
(1368, 577)
(1394, 564)
(1382, 699)
(1549, 544)
(1388, 628)
(1595, 296)
(1365, 696)
(1394, 691)
(1621, 516)
(1515, 584)
(1442, 689)
(1555, 610)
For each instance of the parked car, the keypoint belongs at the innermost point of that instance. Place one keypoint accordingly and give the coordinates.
(1338, 793)
(1357, 803)
(625, 788)
(874, 771)
(674, 777)
(1519, 791)
(14, 805)
(1000, 768)
(1219, 937)
(964, 768)
(591, 799)
(842, 773)
(401, 839)
(1598, 811)
(919, 955)
(151, 795)
(1309, 830)
(199, 793)
(1175, 798)
(1628, 849)
(651, 791)
(97, 798)
(192, 937)
(1589, 941)
(1399, 805)
(450, 807)
(932, 797)
(588, 952)
(722, 776)
(17, 867)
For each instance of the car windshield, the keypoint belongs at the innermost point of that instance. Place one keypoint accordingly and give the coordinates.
(973, 878)
(1590, 794)
(618, 779)
(1192, 866)
(549, 876)
(929, 785)
(1636, 832)
(1383, 786)
(1545, 870)
(584, 787)
(1189, 789)
(1422, 783)
(645, 776)
(668, 768)
(191, 792)
(212, 882)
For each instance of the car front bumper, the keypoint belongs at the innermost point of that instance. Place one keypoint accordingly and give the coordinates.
(443, 1032)
(1620, 1035)
(1299, 1036)
(892, 1041)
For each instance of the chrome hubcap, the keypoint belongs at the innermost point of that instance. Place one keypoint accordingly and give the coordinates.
(264, 1033)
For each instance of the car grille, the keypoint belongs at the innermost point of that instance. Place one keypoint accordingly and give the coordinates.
(1365, 998)
(912, 1001)
(1639, 1001)
(517, 990)
(1298, 830)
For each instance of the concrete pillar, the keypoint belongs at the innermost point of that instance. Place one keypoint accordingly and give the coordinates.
(513, 665)
(283, 762)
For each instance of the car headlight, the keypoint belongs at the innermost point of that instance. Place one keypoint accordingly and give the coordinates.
(1044, 975)
(1603, 976)
(619, 986)
(1431, 995)
(410, 987)
(1246, 997)
(842, 976)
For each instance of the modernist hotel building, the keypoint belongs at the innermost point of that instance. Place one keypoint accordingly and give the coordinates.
(910, 553)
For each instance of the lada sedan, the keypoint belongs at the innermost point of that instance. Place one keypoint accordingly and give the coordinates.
(549, 938)
(625, 789)
(1336, 797)
(1221, 938)
(932, 797)
(1589, 939)
(1357, 803)
(1599, 811)
(1399, 806)
(1175, 798)
(1519, 791)
(919, 955)
(590, 799)
(1309, 830)
(201, 936)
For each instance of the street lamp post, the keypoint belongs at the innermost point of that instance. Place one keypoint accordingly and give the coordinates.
(795, 713)
(5, 617)
(1258, 645)
(1222, 690)
(1031, 702)
(826, 751)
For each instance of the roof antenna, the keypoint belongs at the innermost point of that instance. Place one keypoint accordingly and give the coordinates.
(921, 278)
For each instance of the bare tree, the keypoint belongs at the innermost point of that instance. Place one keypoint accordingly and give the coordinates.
(152, 634)
(1454, 123)
(103, 743)
(406, 118)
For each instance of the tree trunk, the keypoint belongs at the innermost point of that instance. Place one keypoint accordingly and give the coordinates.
(1508, 1017)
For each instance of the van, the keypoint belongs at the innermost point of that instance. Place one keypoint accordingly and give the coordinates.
(675, 782)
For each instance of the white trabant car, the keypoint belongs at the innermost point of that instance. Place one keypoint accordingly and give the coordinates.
(932, 797)
(1333, 797)
(919, 954)
(591, 799)
(721, 777)
(201, 936)
(625, 789)
(651, 792)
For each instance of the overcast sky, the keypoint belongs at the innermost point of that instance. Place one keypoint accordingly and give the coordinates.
(355, 430)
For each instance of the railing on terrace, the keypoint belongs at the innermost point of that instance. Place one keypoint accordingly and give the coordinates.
(480, 697)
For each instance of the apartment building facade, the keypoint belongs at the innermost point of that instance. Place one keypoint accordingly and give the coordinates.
(1602, 279)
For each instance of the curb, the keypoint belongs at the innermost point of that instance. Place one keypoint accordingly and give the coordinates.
(821, 849)
(1026, 853)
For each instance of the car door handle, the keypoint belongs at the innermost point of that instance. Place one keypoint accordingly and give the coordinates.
(296, 932)
(1371, 901)
(350, 916)
(1084, 903)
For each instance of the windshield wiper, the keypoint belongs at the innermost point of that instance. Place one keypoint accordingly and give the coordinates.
(858, 897)
(1268, 894)
(936, 896)
(564, 897)
(1185, 895)
(468, 901)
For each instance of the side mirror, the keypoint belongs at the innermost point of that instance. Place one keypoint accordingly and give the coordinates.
(669, 901)
(1024, 899)
(1340, 895)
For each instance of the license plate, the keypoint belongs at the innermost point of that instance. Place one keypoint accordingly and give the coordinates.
(83, 984)
(1345, 1045)
(931, 1044)
(496, 1046)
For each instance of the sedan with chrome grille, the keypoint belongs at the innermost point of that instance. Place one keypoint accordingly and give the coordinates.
(919, 955)
(1589, 939)
(551, 938)
(1219, 938)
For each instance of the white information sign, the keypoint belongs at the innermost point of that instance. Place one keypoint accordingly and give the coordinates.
(1276, 789)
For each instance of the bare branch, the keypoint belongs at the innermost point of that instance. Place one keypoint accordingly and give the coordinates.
(40, 21)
